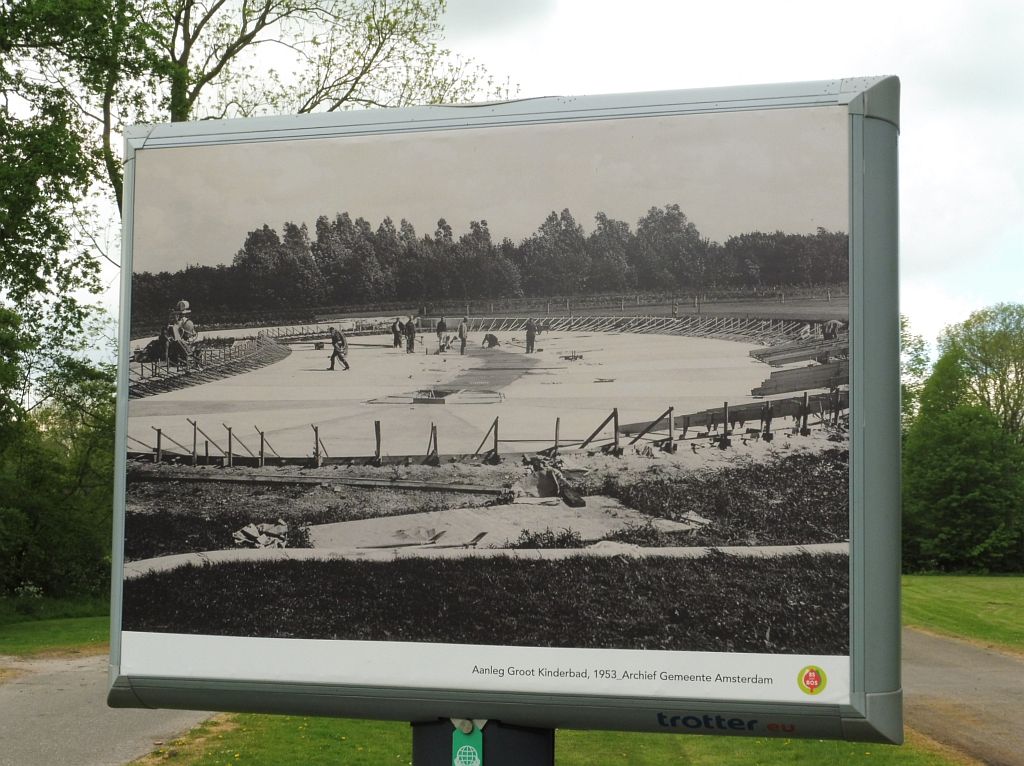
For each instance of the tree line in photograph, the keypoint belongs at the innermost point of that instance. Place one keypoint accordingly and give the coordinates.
(347, 262)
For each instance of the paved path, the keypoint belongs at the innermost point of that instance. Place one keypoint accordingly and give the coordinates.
(965, 696)
(54, 713)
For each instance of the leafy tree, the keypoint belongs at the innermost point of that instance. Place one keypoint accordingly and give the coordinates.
(255, 262)
(989, 346)
(668, 250)
(45, 171)
(365, 279)
(99, 54)
(56, 492)
(963, 493)
(559, 255)
(411, 271)
(913, 369)
(13, 345)
(945, 389)
(130, 61)
(609, 249)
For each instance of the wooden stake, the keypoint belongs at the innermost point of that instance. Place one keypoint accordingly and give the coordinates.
(558, 423)
(484, 440)
(376, 433)
(651, 426)
(613, 415)
(159, 454)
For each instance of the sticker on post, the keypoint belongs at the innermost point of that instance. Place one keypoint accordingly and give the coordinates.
(467, 745)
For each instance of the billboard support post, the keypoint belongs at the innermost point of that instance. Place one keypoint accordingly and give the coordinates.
(433, 743)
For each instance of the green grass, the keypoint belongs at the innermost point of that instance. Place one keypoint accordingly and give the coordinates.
(594, 748)
(263, 740)
(38, 625)
(987, 609)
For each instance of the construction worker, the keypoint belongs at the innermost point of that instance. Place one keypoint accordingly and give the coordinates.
(463, 334)
(397, 331)
(531, 335)
(442, 328)
(410, 336)
(339, 344)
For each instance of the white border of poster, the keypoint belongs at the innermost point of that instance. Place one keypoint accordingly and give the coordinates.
(706, 692)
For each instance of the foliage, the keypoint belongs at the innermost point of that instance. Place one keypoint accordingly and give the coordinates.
(945, 388)
(782, 605)
(988, 609)
(548, 538)
(913, 371)
(13, 345)
(348, 262)
(647, 535)
(131, 61)
(963, 486)
(45, 172)
(963, 492)
(793, 500)
(989, 347)
(56, 493)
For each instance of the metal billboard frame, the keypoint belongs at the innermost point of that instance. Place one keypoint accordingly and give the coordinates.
(875, 709)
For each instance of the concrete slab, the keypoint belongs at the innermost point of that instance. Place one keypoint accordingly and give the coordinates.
(647, 373)
(500, 523)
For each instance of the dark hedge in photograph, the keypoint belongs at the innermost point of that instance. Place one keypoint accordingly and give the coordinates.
(718, 603)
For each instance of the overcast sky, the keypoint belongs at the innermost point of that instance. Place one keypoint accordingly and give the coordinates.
(962, 124)
(733, 173)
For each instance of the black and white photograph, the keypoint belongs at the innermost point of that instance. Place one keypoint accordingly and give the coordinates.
(572, 385)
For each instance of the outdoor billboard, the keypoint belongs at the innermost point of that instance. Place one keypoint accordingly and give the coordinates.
(576, 412)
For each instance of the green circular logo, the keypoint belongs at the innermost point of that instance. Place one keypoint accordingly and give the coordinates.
(811, 680)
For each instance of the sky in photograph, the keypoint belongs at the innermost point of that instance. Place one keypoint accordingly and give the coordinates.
(769, 170)
(962, 106)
